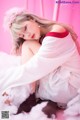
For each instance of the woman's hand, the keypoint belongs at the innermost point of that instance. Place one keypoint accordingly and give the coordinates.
(7, 101)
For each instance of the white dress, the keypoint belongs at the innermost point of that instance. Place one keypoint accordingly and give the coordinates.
(56, 66)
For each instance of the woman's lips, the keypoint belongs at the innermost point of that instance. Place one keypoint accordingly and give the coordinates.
(33, 36)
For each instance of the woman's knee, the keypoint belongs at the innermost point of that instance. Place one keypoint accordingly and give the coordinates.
(33, 45)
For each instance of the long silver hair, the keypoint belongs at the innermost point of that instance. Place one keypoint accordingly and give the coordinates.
(15, 16)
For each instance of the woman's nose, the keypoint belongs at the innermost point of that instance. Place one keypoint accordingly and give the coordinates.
(28, 34)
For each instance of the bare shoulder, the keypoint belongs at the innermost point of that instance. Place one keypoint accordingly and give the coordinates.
(58, 28)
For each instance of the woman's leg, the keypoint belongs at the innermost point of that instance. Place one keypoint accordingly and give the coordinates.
(29, 49)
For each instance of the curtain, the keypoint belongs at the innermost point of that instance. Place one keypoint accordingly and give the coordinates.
(65, 11)
(42, 8)
(69, 13)
(50, 9)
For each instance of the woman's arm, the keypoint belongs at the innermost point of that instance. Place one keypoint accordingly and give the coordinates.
(53, 53)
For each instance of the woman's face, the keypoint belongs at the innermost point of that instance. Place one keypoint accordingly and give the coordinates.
(31, 30)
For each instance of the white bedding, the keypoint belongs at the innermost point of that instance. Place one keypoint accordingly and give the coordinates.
(72, 113)
(36, 112)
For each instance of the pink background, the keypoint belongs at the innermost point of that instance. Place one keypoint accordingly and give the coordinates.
(5, 38)
(67, 13)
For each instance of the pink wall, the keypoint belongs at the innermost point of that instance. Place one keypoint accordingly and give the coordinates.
(66, 13)
(5, 38)
(43, 8)
(70, 13)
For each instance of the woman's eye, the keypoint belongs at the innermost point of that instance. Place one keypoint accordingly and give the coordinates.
(23, 36)
(25, 28)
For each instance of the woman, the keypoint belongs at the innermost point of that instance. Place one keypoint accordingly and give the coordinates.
(49, 57)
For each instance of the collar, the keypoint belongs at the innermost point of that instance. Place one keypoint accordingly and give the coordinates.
(57, 34)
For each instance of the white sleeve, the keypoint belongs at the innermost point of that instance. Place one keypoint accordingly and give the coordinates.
(52, 54)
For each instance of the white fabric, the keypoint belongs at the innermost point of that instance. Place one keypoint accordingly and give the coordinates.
(54, 53)
(73, 107)
(56, 87)
(35, 114)
(8, 61)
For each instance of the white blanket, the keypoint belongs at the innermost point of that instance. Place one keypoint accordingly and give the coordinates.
(35, 114)
(17, 97)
